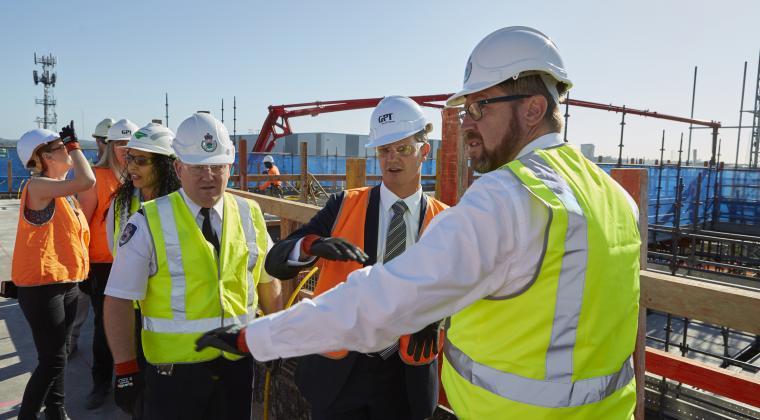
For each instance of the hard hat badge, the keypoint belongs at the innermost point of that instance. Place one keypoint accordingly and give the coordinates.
(209, 143)
(468, 69)
(139, 135)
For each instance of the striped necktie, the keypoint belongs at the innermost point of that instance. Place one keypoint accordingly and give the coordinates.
(395, 244)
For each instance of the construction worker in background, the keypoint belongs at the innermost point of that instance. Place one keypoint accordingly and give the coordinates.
(272, 170)
(383, 221)
(537, 264)
(150, 174)
(193, 259)
(101, 134)
(109, 172)
(83, 304)
(50, 258)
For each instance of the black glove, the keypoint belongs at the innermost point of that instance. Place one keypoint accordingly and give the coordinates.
(127, 392)
(68, 134)
(425, 342)
(337, 249)
(223, 338)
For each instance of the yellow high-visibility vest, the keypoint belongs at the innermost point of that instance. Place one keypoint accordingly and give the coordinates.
(561, 348)
(193, 291)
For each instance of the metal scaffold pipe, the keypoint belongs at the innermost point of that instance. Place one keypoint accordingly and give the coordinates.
(691, 126)
(741, 108)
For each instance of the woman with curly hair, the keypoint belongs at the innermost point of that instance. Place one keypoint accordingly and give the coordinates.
(150, 174)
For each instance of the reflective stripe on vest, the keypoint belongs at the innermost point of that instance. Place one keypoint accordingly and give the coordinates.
(194, 289)
(177, 273)
(162, 325)
(552, 394)
(556, 389)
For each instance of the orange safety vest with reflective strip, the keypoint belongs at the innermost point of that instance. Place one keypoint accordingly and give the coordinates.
(106, 185)
(350, 226)
(54, 252)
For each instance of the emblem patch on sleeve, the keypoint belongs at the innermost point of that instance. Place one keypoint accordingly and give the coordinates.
(126, 235)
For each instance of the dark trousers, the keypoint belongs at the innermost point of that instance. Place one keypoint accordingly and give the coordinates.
(219, 389)
(50, 311)
(102, 360)
(375, 390)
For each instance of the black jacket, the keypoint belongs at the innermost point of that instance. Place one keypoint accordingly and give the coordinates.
(321, 379)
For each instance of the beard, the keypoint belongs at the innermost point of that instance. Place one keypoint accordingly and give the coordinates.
(503, 153)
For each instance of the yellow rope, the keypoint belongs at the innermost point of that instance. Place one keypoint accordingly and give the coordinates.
(268, 377)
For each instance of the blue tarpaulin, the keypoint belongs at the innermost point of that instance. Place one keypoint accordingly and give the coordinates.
(737, 202)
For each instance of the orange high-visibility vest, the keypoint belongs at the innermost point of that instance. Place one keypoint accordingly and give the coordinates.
(54, 252)
(274, 170)
(106, 185)
(350, 226)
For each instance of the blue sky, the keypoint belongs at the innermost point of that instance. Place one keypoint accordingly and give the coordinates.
(118, 59)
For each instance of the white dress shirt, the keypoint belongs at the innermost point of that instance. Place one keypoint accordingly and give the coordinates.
(387, 199)
(487, 245)
(136, 260)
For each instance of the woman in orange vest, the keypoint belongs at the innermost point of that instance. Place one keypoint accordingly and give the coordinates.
(49, 258)
(109, 172)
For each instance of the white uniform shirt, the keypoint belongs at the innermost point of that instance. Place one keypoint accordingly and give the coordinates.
(387, 199)
(136, 260)
(487, 245)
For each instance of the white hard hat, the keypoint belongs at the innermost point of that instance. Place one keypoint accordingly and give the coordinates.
(268, 158)
(121, 130)
(31, 140)
(395, 118)
(101, 130)
(203, 140)
(510, 53)
(153, 138)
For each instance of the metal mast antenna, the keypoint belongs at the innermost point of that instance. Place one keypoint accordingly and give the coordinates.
(166, 104)
(47, 77)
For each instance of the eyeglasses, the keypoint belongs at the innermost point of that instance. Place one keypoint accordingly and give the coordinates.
(138, 160)
(201, 169)
(475, 111)
(55, 148)
(401, 149)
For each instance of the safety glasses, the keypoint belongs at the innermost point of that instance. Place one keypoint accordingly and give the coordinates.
(475, 109)
(138, 160)
(202, 169)
(401, 149)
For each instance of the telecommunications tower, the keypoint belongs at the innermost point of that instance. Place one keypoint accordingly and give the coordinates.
(49, 118)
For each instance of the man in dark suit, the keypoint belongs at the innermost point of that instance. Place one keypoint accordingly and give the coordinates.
(383, 221)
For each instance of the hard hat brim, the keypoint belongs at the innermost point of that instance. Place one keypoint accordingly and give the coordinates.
(391, 138)
(206, 159)
(149, 149)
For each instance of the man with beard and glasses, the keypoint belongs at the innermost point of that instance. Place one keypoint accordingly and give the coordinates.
(537, 265)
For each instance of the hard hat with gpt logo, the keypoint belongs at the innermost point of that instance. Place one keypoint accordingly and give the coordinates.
(395, 118)
(203, 140)
(121, 130)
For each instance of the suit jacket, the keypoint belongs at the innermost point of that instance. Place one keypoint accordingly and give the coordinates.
(320, 379)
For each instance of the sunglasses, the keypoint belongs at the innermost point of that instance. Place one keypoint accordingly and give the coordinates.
(138, 160)
(475, 109)
(402, 149)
